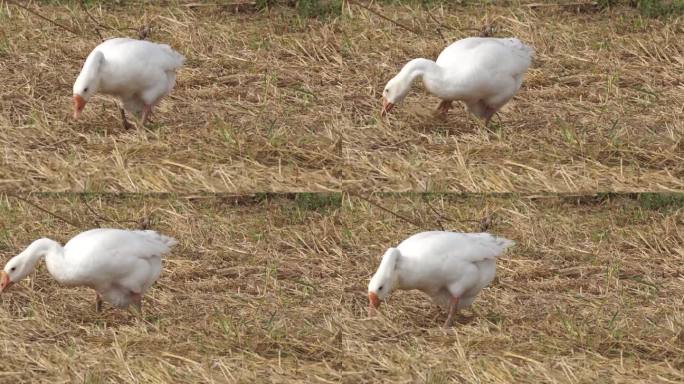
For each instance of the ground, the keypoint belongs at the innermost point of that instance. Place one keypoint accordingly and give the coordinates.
(272, 288)
(274, 101)
(271, 166)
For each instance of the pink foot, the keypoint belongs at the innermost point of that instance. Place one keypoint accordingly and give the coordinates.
(146, 113)
(444, 107)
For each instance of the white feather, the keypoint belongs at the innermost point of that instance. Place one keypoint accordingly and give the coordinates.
(483, 72)
(443, 265)
(138, 72)
(116, 263)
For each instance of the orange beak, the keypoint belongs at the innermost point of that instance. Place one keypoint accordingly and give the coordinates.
(386, 107)
(373, 301)
(79, 104)
(5, 281)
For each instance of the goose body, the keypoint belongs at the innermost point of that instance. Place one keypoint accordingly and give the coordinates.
(451, 268)
(138, 72)
(483, 72)
(120, 265)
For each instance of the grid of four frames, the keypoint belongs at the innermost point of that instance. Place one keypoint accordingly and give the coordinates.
(284, 150)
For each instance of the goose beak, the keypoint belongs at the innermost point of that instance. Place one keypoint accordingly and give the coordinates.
(386, 107)
(373, 302)
(79, 104)
(5, 281)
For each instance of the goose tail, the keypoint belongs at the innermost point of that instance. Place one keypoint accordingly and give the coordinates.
(162, 241)
(502, 243)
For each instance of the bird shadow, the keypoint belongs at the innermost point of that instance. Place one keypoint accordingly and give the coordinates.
(454, 123)
(439, 317)
(111, 317)
(465, 319)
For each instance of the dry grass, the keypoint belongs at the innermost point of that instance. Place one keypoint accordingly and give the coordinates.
(269, 101)
(599, 110)
(272, 289)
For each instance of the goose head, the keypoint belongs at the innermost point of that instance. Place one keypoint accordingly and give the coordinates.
(87, 82)
(394, 93)
(384, 280)
(15, 270)
(21, 265)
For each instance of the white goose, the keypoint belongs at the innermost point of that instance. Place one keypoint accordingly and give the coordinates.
(483, 72)
(138, 72)
(120, 265)
(450, 267)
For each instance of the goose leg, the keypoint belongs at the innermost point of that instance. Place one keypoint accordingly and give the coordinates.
(124, 121)
(489, 112)
(146, 112)
(136, 299)
(444, 107)
(452, 310)
(98, 302)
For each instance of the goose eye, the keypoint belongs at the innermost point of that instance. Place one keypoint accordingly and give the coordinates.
(380, 288)
(85, 89)
(13, 269)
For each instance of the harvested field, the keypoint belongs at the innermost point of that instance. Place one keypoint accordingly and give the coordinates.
(271, 288)
(275, 101)
(277, 108)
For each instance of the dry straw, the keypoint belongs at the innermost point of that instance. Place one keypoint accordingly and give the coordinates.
(272, 289)
(271, 101)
